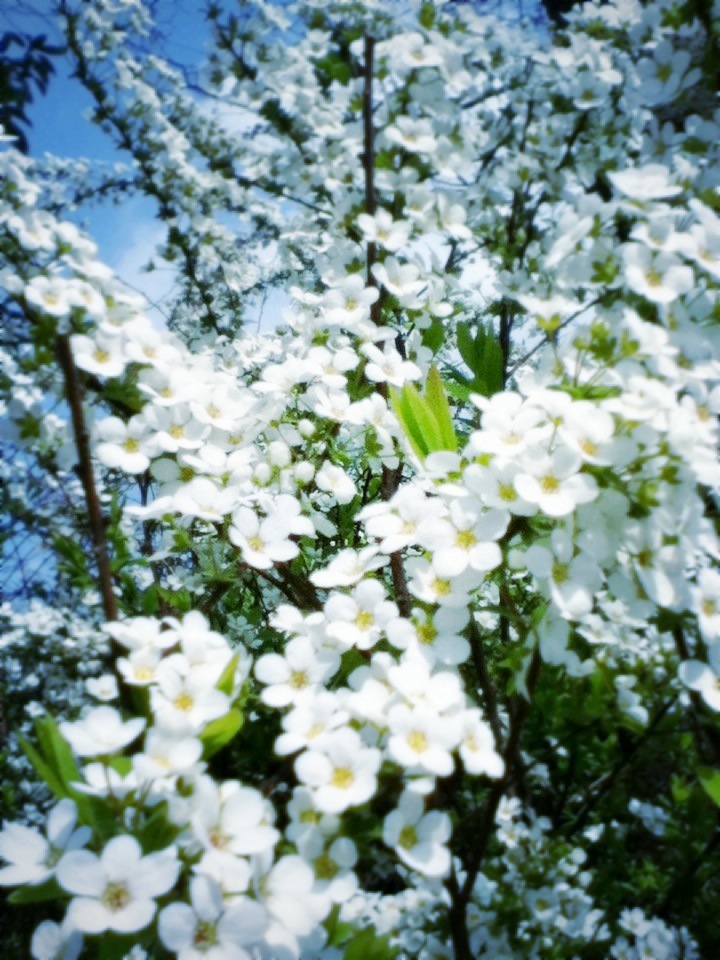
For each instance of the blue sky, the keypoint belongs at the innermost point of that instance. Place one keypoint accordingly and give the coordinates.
(126, 235)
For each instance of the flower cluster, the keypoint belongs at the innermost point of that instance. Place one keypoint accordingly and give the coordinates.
(399, 593)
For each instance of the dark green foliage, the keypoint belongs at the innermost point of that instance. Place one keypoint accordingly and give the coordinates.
(26, 65)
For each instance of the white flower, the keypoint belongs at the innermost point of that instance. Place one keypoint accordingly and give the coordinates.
(342, 775)
(100, 355)
(383, 230)
(102, 688)
(399, 522)
(422, 740)
(210, 930)
(31, 857)
(124, 446)
(288, 893)
(465, 539)
(52, 941)
(203, 498)
(185, 702)
(335, 481)
(659, 277)
(704, 677)
(651, 182)
(116, 890)
(264, 542)
(495, 486)
(402, 280)
(299, 669)
(706, 597)
(419, 838)
(349, 302)
(103, 781)
(101, 732)
(332, 865)
(387, 366)
(477, 747)
(347, 567)
(359, 618)
(231, 819)
(552, 481)
(166, 754)
(416, 136)
(52, 295)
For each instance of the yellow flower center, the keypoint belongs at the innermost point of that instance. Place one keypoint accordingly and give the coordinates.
(176, 431)
(426, 632)
(184, 702)
(205, 936)
(116, 897)
(298, 680)
(441, 587)
(549, 483)
(364, 620)
(217, 838)
(342, 778)
(326, 868)
(417, 741)
(256, 544)
(507, 492)
(408, 838)
(465, 539)
(101, 356)
(131, 445)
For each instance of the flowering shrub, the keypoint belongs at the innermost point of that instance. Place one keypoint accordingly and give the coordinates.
(405, 613)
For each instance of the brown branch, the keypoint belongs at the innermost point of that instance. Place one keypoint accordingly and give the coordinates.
(390, 478)
(369, 167)
(485, 682)
(73, 390)
(707, 739)
(483, 829)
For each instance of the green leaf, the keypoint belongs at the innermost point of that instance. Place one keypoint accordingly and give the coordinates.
(121, 765)
(433, 336)
(112, 947)
(424, 418)
(460, 391)
(220, 732)
(157, 832)
(437, 401)
(468, 347)
(710, 781)
(407, 421)
(227, 678)
(338, 932)
(43, 769)
(37, 893)
(61, 752)
(367, 945)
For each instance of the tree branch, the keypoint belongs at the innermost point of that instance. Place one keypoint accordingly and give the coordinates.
(73, 390)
